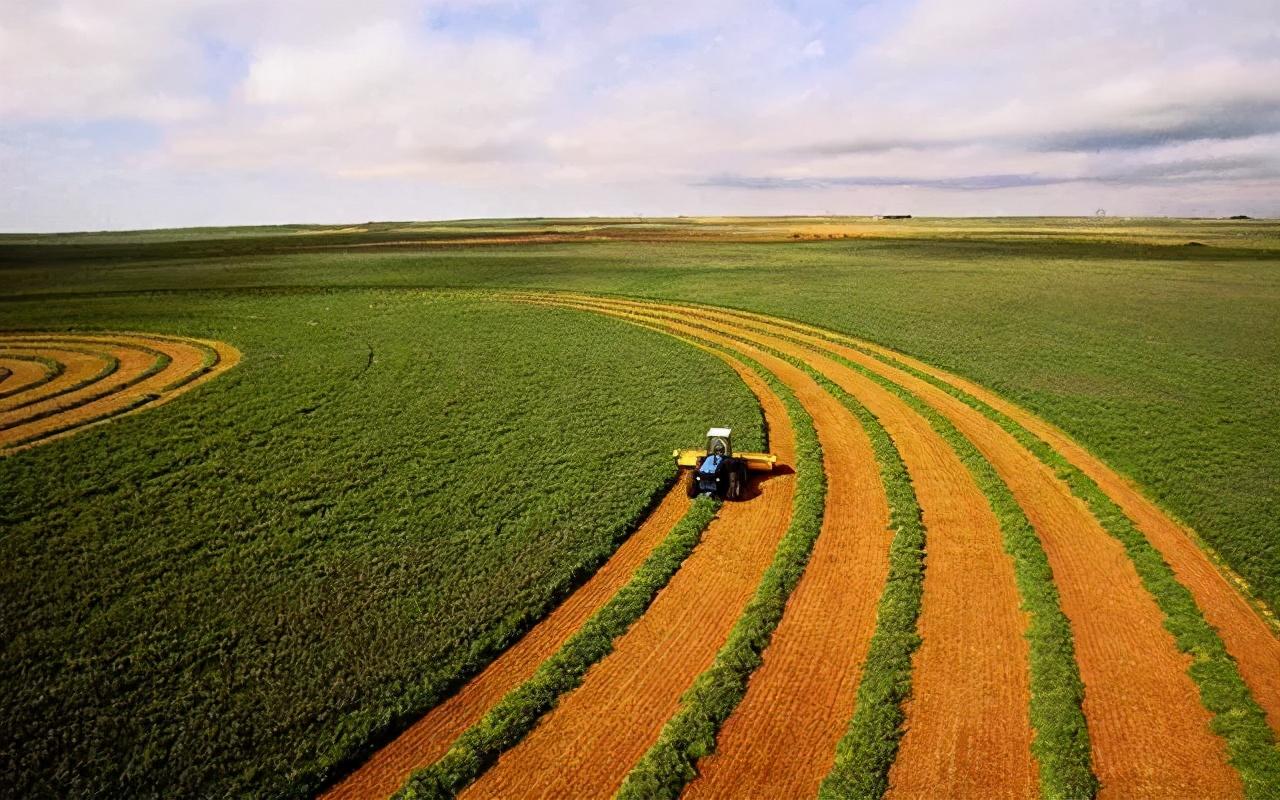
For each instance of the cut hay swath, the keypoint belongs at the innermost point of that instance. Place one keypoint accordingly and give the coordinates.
(61, 383)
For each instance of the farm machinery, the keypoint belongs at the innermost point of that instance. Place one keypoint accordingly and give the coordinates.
(717, 471)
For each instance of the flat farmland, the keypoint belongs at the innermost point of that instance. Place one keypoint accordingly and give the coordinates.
(1022, 542)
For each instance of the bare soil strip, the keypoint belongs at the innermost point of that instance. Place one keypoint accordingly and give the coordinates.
(1248, 637)
(586, 745)
(150, 370)
(1150, 732)
(781, 738)
(968, 727)
(429, 738)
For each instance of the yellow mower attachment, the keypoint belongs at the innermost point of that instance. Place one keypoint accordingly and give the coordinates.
(717, 470)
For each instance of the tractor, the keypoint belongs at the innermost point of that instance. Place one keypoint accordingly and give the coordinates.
(717, 471)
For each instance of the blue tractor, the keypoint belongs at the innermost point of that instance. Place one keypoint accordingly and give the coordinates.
(718, 471)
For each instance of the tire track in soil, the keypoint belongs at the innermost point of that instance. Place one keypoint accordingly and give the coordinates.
(1149, 731)
(781, 739)
(429, 738)
(186, 359)
(585, 745)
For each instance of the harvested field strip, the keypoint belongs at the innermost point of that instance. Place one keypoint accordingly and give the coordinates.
(128, 366)
(26, 373)
(516, 714)
(149, 369)
(638, 686)
(73, 367)
(978, 662)
(1238, 717)
(110, 365)
(1150, 735)
(428, 739)
(1248, 636)
(691, 733)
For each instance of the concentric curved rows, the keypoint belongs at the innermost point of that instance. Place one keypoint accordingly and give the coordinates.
(968, 730)
(58, 384)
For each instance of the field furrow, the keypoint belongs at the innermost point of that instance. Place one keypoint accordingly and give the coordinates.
(973, 657)
(428, 738)
(1150, 732)
(781, 737)
(586, 745)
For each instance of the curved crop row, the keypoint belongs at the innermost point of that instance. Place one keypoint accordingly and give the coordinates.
(517, 712)
(174, 365)
(867, 751)
(668, 765)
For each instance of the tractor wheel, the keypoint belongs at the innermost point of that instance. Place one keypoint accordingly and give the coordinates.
(691, 484)
(734, 492)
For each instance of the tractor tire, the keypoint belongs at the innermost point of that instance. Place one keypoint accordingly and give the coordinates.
(691, 484)
(734, 490)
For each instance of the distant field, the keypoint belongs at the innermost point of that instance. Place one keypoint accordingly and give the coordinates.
(261, 582)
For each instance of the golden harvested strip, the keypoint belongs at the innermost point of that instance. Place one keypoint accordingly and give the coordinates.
(781, 738)
(20, 374)
(586, 745)
(1149, 730)
(78, 366)
(1247, 636)
(104, 376)
(430, 737)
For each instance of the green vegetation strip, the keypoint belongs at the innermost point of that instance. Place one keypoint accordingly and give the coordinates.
(53, 369)
(516, 714)
(668, 765)
(866, 752)
(1237, 716)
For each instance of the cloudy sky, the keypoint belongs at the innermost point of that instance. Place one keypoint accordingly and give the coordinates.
(149, 113)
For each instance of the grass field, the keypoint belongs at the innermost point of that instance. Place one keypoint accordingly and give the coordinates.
(233, 594)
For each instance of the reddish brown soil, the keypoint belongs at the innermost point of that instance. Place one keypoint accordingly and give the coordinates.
(1248, 637)
(974, 656)
(78, 409)
(429, 738)
(586, 745)
(1149, 731)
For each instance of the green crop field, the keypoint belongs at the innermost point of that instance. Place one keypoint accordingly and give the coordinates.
(248, 589)
(234, 593)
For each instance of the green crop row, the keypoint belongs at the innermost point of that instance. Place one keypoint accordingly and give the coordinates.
(516, 714)
(1237, 716)
(1061, 743)
(668, 765)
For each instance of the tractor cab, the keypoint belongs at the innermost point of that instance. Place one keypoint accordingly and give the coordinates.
(717, 471)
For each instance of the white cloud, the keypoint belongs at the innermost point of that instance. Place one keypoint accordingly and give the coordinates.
(565, 99)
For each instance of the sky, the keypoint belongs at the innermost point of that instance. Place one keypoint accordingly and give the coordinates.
(159, 113)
